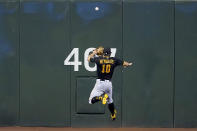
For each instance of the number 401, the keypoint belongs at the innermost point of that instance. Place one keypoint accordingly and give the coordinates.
(76, 63)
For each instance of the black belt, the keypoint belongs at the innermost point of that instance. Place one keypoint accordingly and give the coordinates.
(104, 79)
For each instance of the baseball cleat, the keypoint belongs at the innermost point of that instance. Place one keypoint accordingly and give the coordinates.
(104, 101)
(113, 116)
(100, 98)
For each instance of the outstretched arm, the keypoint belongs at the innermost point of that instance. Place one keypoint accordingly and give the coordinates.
(125, 64)
(92, 55)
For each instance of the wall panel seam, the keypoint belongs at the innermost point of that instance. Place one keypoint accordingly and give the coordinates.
(174, 3)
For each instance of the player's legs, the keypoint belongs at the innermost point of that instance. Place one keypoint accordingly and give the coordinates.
(112, 110)
(108, 91)
(96, 99)
(96, 93)
(111, 106)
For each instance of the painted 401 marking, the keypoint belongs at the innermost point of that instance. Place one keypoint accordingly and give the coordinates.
(76, 63)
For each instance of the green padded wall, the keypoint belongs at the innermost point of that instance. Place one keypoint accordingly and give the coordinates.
(148, 42)
(44, 94)
(9, 62)
(91, 28)
(185, 64)
(158, 36)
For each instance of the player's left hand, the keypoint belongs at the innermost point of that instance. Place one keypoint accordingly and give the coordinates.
(129, 64)
(125, 64)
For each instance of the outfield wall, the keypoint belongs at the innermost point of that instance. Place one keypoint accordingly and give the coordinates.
(158, 36)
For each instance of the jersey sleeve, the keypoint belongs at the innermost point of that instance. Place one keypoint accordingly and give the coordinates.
(118, 62)
(94, 59)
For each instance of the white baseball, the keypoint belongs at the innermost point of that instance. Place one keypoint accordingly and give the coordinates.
(96, 8)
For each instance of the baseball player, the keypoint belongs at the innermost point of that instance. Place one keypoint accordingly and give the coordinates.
(102, 90)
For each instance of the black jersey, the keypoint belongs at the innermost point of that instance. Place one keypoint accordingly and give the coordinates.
(105, 66)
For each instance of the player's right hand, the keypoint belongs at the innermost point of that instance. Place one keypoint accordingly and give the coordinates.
(100, 50)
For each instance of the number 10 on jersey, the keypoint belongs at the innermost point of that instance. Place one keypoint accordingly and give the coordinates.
(106, 68)
(76, 63)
